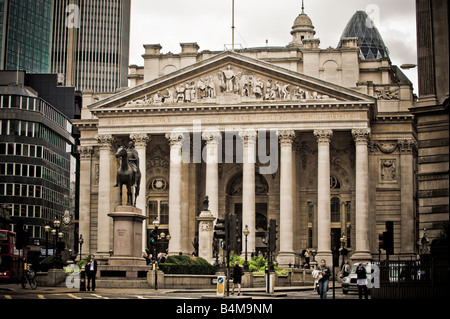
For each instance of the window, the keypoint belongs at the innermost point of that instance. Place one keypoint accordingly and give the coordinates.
(158, 208)
(335, 210)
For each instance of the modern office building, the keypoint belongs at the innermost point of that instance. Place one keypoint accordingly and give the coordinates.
(25, 35)
(37, 167)
(90, 46)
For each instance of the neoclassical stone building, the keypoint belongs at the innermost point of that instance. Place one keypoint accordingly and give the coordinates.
(321, 140)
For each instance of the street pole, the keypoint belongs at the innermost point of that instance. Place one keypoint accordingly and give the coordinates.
(333, 252)
(227, 244)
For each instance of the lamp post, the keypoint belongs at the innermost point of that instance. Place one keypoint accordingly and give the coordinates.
(47, 229)
(156, 225)
(80, 242)
(343, 250)
(246, 233)
(54, 234)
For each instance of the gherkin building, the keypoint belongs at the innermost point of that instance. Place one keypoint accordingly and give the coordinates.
(369, 39)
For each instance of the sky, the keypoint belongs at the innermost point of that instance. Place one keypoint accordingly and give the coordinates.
(208, 22)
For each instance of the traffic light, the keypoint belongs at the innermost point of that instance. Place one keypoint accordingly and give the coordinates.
(381, 241)
(272, 235)
(153, 236)
(388, 237)
(221, 230)
(22, 235)
(233, 232)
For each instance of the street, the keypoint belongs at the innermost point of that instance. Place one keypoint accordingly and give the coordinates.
(16, 292)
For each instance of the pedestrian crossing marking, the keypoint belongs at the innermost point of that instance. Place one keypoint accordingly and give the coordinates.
(41, 297)
(8, 297)
(73, 296)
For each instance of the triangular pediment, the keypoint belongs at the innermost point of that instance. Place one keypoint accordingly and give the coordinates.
(230, 78)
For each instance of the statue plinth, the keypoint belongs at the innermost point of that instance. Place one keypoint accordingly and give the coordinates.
(205, 234)
(127, 234)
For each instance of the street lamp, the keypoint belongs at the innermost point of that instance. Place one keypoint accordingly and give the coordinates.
(47, 229)
(80, 242)
(246, 233)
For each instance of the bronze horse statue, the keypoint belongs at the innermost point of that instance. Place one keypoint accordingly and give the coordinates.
(128, 177)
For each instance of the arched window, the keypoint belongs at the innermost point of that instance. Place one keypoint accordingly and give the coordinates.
(335, 210)
(334, 183)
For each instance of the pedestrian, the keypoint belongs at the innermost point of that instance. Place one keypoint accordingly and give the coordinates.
(323, 282)
(147, 259)
(361, 280)
(237, 277)
(91, 272)
(345, 270)
(306, 254)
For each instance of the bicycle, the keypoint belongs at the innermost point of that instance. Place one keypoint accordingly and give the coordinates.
(30, 278)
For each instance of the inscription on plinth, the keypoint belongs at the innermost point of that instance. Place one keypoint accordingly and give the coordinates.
(127, 236)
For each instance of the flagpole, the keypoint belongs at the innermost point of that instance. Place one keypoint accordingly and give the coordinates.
(232, 27)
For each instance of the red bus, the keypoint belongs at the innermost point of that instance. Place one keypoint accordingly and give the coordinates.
(9, 256)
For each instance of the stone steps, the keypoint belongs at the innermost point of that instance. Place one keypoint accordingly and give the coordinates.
(122, 283)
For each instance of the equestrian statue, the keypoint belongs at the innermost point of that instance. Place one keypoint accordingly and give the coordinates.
(128, 173)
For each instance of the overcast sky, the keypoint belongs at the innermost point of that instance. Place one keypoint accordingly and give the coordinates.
(208, 22)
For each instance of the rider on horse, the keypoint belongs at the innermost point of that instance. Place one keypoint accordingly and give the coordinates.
(133, 162)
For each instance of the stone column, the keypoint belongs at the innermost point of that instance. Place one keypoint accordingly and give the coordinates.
(140, 143)
(362, 250)
(85, 195)
(212, 170)
(248, 187)
(286, 225)
(105, 205)
(205, 235)
(323, 195)
(175, 140)
(407, 149)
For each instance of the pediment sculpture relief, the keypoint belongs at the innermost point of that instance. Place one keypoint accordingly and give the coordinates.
(229, 84)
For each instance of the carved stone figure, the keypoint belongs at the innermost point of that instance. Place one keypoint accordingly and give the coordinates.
(205, 204)
(388, 170)
(229, 79)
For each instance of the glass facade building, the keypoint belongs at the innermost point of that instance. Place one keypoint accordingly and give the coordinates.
(91, 43)
(26, 30)
(37, 169)
(370, 43)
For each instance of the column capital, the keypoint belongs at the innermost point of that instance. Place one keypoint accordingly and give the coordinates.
(105, 140)
(211, 136)
(323, 136)
(85, 151)
(140, 139)
(175, 138)
(286, 137)
(248, 135)
(407, 145)
(361, 135)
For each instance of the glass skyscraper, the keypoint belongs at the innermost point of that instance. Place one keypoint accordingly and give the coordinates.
(91, 43)
(370, 42)
(25, 34)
